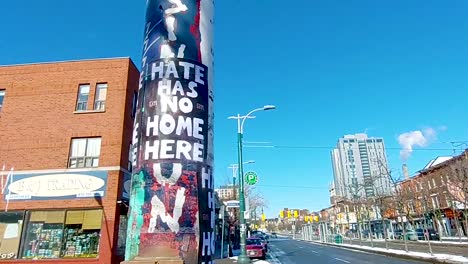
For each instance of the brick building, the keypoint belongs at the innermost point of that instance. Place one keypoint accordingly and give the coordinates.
(65, 135)
(437, 196)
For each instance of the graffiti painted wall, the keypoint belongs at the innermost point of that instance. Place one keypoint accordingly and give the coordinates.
(172, 210)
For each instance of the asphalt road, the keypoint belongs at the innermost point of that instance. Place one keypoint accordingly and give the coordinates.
(288, 251)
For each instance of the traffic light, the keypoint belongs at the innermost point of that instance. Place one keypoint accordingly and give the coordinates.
(281, 214)
(316, 218)
(289, 214)
(296, 214)
(263, 217)
(306, 218)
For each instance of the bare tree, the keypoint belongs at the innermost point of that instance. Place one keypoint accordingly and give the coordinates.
(382, 194)
(356, 202)
(400, 202)
(257, 202)
(426, 208)
(457, 185)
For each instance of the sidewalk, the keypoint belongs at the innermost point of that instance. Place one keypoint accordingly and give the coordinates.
(230, 260)
(453, 242)
(435, 258)
(456, 238)
(443, 241)
(234, 260)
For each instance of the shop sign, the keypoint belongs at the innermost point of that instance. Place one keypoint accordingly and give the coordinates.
(56, 186)
(127, 183)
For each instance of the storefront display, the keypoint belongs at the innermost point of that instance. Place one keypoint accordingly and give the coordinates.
(56, 234)
(82, 231)
(44, 235)
(11, 224)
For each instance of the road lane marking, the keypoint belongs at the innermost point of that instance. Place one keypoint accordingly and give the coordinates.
(342, 260)
(273, 255)
(313, 251)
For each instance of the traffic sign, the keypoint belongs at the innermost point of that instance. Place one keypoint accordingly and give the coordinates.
(251, 178)
(232, 204)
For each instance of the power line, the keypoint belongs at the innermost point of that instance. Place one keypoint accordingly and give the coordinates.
(291, 186)
(330, 148)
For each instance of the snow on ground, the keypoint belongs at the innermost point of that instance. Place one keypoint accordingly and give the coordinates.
(445, 242)
(426, 256)
(455, 238)
(258, 261)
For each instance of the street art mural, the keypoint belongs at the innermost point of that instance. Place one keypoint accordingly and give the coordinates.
(172, 210)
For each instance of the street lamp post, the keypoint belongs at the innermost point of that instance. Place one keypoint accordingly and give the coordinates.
(243, 258)
(235, 168)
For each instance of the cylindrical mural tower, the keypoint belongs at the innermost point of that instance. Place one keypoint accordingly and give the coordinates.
(172, 212)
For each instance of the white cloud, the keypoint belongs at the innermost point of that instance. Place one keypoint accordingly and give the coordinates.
(417, 138)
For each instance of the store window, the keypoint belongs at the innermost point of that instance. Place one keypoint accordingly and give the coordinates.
(11, 224)
(82, 231)
(100, 98)
(83, 95)
(44, 235)
(85, 152)
(62, 234)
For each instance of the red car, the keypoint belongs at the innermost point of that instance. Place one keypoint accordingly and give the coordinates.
(264, 240)
(255, 248)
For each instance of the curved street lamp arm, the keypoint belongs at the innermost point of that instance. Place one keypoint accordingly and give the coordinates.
(247, 116)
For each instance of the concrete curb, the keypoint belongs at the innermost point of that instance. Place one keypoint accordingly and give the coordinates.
(407, 257)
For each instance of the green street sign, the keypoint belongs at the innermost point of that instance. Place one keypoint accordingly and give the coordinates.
(251, 178)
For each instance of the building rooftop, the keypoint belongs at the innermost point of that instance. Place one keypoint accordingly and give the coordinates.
(437, 161)
(66, 61)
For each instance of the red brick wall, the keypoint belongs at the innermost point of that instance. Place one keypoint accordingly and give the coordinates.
(38, 112)
(37, 123)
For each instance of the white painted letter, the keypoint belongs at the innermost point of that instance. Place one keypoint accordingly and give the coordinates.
(153, 149)
(167, 124)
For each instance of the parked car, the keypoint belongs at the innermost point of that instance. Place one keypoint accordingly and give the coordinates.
(260, 235)
(410, 235)
(255, 248)
(274, 235)
(431, 234)
(398, 233)
(263, 240)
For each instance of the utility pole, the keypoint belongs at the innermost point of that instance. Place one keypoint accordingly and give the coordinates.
(177, 48)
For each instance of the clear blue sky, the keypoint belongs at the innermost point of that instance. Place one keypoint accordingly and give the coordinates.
(331, 67)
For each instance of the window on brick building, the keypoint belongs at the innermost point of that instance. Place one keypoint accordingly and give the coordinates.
(2, 96)
(82, 100)
(62, 234)
(435, 202)
(84, 152)
(100, 98)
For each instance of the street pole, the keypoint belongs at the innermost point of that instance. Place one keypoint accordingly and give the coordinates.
(222, 232)
(243, 258)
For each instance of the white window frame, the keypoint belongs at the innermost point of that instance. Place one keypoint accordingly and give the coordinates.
(100, 105)
(82, 105)
(87, 160)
